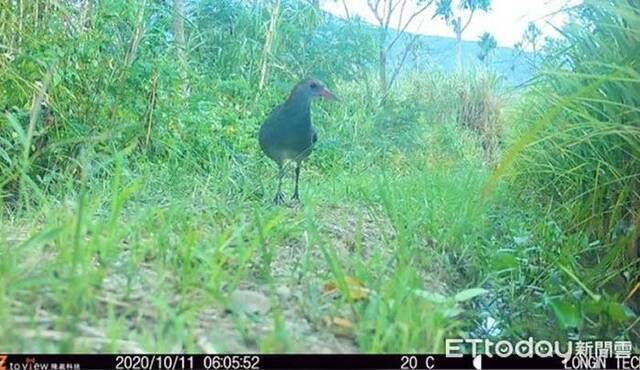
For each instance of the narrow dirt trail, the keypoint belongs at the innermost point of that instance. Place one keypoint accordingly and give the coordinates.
(312, 320)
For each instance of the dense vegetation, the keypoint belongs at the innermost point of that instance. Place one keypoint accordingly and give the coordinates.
(135, 204)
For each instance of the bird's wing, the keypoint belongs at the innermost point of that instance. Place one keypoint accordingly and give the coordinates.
(273, 115)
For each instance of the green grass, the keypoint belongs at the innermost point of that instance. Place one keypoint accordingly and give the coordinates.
(137, 219)
(148, 259)
(138, 259)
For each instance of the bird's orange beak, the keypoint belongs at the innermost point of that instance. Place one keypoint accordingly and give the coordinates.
(325, 93)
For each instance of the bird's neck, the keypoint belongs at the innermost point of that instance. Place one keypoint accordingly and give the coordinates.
(300, 105)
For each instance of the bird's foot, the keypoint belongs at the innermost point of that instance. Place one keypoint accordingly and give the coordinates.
(296, 197)
(279, 199)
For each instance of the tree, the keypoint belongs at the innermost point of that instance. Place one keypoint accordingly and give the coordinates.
(531, 36)
(488, 46)
(517, 52)
(445, 10)
(136, 38)
(268, 44)
(178, 31)
(346, 9)
(384, 11)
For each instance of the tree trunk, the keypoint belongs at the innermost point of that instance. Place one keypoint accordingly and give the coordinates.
(138, 32)
(346, 9)
(459, 47)
(382, 62)
(382, 72)
(268, 45)
(85, 15)
(178, 30)
(534, 56)
(151, 106)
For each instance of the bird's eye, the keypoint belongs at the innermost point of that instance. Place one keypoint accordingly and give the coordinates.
(314, 85)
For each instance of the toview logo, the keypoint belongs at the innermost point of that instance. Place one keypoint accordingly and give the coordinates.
(30, 363)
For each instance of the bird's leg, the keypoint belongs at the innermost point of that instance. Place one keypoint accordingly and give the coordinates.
(296, 196)
(279, 199)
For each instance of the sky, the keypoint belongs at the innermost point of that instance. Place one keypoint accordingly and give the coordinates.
(506, 19)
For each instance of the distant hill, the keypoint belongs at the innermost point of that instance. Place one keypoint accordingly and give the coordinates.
(439, 53)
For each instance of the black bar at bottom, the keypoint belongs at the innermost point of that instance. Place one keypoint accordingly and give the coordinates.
(283, 362)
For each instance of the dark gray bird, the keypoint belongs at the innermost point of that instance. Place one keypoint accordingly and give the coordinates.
(287, 133)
